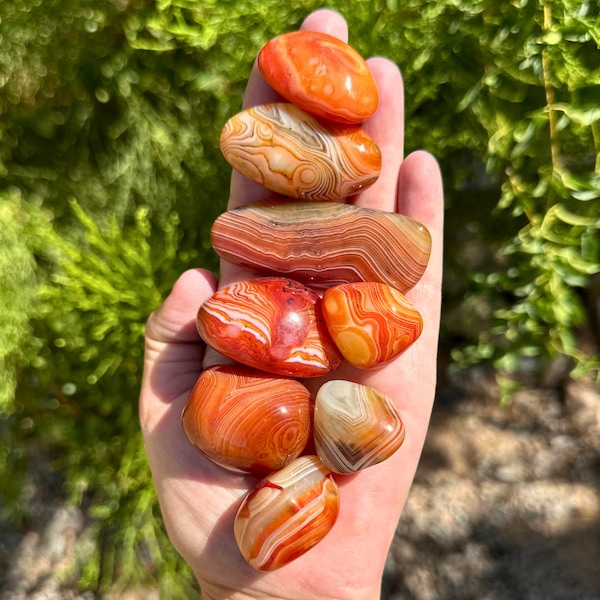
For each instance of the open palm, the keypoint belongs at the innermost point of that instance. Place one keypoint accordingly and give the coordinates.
(199, 499)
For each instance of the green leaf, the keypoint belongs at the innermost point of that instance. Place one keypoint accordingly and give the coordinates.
(581, 116)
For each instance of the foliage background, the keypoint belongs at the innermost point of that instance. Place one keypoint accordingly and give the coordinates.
(111, 176)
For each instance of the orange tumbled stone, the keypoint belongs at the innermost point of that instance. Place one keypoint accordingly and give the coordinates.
(247, 420)
(370, 323)
(273, 324)
(324, 243)
(320, 74)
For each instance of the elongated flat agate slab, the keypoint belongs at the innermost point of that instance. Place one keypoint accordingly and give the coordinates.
(246, 420)
(370, 323)
(355, 426)
(272, 324)
(287, 514)
(320, 74)
(324, 243)
(289, 152)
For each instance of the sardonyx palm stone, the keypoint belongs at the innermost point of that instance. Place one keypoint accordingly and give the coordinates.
(320, 74)
(290, 152)
(324, 243)
(273, 324)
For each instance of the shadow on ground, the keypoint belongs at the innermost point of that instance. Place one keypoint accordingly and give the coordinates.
(506, 501)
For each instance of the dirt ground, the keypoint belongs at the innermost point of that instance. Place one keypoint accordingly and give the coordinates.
(506, 501)
(505, 505)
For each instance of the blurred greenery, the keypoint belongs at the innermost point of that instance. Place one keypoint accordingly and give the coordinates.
(111, 176)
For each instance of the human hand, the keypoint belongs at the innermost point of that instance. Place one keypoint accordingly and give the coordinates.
(199, 499)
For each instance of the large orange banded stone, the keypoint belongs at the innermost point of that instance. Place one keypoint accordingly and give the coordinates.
(324, 243)
(248, 420)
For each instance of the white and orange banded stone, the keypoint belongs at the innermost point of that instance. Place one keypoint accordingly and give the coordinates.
(273, 324)
(324, 243)
(370, 323)
(355, 426)
(289, 152)
(248, 420)
(288, 513)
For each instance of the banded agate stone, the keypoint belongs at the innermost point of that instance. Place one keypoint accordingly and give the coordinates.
(272, 324)
(288, 513)
(370, 323)
(320, 74)
(324, 243)
(247, 420)
(289, 152)
(355, 426)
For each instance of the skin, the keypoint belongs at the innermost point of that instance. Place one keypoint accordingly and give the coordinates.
(199, 499)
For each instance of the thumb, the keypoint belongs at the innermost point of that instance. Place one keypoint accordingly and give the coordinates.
(173, 350)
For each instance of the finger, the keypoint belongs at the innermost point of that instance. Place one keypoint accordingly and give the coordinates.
(174, 321)
(386, 127)
(242, 190)
(173, 350)
(326, 21)
(421, 197)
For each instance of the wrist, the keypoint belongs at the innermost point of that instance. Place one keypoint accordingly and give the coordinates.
(222, 593)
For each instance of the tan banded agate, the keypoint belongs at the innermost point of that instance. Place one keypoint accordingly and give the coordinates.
(289, 152)
(355, 426)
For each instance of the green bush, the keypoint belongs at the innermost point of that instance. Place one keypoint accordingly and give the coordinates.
(111, 177)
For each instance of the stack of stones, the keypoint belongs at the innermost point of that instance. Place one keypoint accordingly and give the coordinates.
(255, 414)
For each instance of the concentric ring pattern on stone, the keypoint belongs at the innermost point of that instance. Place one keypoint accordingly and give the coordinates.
(247, 420)
(289, 152)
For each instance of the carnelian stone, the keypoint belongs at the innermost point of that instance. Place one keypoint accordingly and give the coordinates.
(287, 513)
(273, 324)
(324, 243)
(248, 420)
(371, 323)
(321, 75)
